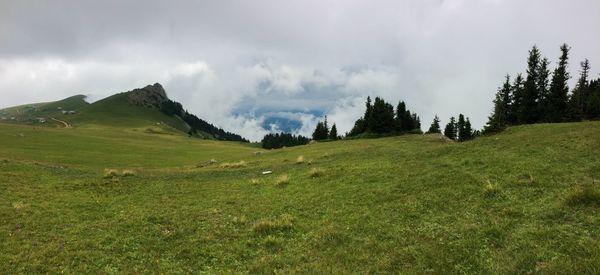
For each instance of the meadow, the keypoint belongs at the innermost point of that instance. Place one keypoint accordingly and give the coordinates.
(101, 199)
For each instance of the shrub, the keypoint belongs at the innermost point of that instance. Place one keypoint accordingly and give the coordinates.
(315, 172)
(300, 160)
(255, 181)
(587, 196)
(282, 180)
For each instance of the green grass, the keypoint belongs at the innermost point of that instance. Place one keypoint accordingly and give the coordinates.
(523, 201)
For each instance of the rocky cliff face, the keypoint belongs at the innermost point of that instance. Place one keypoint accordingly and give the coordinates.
(151, 96)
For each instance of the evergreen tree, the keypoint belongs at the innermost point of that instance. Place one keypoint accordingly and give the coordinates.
(467, 131)
(369, 119)
(333, 135)
(543, 88)
(557, 100)
(593, 104)
(401, 117)
(527, 112)
(321, 132)
(383, 117)
(517, 100)
(435, 126)
(581, 94)
(450, 129)
(498, 120)
(359, 127)
(460, 125)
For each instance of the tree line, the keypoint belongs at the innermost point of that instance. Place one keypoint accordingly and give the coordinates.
(381, 118)
(173, 108)
(280, 140)
(541, 96)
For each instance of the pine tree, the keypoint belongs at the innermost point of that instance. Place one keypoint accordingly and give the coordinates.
(400, 116)
(580, 97)
(498, 120)
(468, 131)
(593, 105)
(321, 132)
(435, 126)
(383, 117)
(543, 88)
(369, 119)
(557, 100)
(460, 125)
(450, 130)
(333, 135)
(527, 112)
(518, 90)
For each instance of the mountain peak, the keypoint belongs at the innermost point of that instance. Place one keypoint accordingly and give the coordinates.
(151, 96)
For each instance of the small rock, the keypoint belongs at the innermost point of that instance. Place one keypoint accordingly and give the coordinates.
(267, 172)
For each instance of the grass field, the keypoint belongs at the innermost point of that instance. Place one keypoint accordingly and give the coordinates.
(523, 201)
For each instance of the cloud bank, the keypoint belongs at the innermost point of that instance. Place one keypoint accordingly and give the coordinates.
(258, 66)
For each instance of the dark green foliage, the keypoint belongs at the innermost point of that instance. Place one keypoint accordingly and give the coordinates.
(333, 134)
(518, 90)
(321, 131)
(450, 130)
(500, 115)
(173, 108)
(435, 126)
(557, 98)
(380, 118)
(274, 141)
(527, 111)
(543, 85)
(464, 131)
(536, 99)
(578, 102)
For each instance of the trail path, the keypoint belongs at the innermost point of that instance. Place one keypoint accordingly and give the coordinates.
(66, 124)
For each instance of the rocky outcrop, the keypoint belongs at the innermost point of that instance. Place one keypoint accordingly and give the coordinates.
(151, 96)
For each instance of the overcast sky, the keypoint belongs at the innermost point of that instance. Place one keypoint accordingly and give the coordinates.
(239, 63)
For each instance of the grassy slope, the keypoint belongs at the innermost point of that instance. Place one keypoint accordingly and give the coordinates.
(410, 204)
(46, 109)
(113, 111)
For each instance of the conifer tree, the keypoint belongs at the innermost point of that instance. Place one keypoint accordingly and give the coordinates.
(543, 88)
(333, 135)
(369, 119)
(527, 112)
(593, 104)
(450, 129)
(460, 125)
(383, 117)
(557, 100)
(498, 120)
(435, 126)
(517, 100)
(580, 96)
(321, 132)
(468, 131)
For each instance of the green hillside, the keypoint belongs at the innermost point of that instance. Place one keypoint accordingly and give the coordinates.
(522, 201)
(114, 111)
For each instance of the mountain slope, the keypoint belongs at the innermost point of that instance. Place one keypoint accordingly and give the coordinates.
(139, 109)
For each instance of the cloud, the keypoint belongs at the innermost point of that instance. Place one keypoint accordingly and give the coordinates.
(239, 63)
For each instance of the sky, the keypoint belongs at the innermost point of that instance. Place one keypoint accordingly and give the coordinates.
(252, 67)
